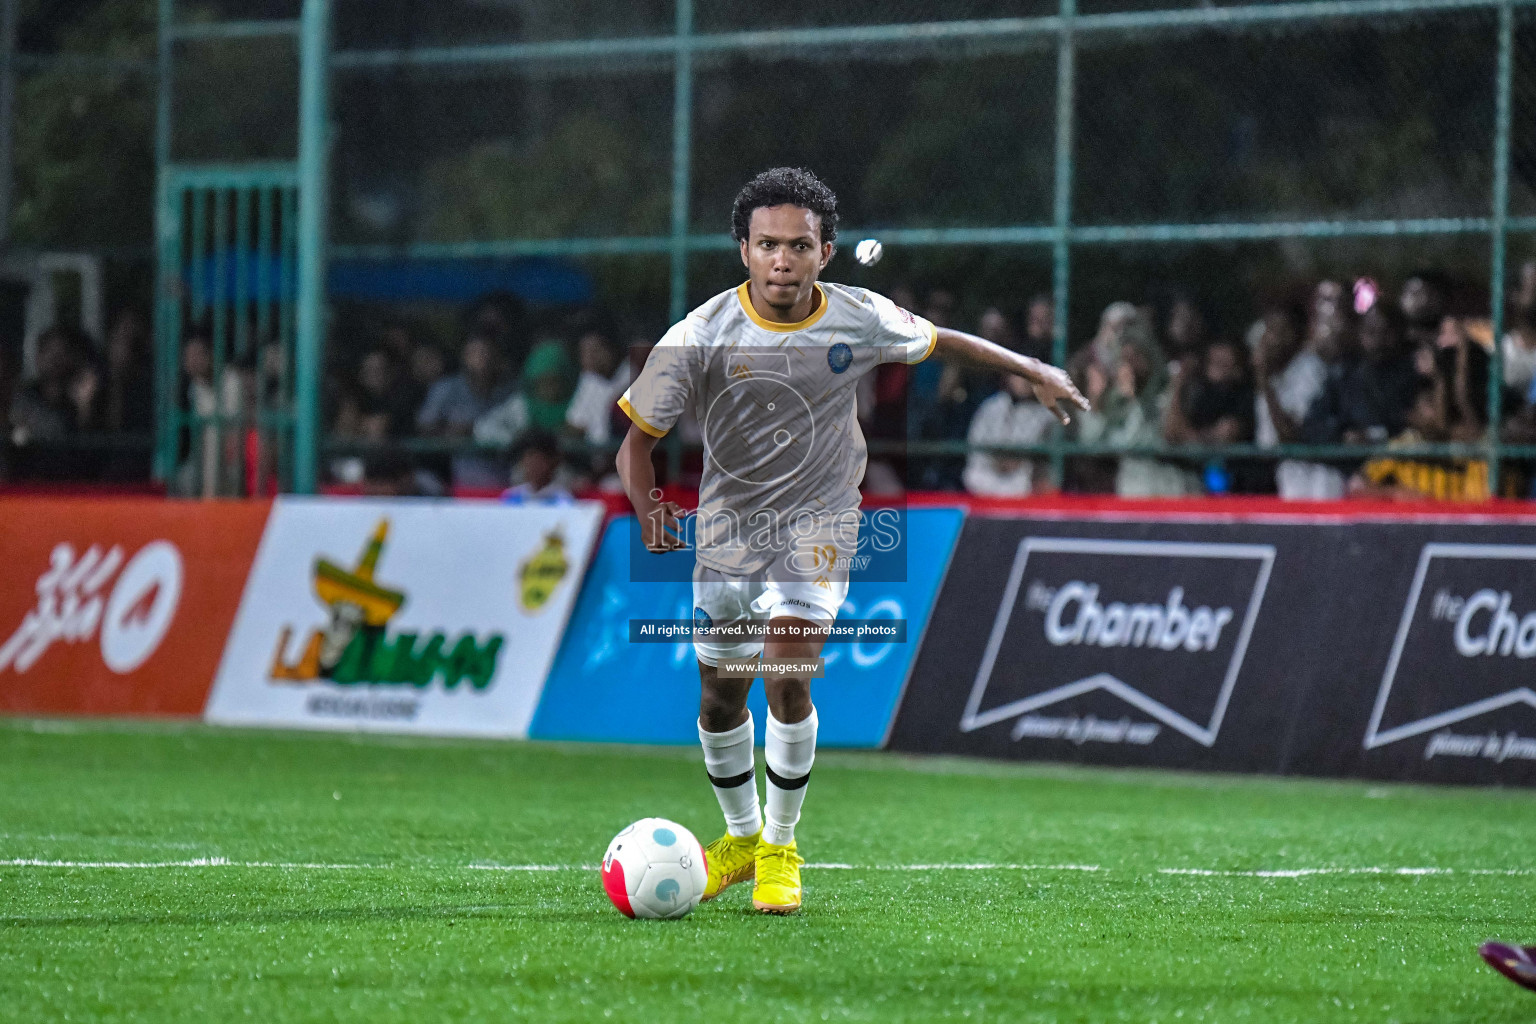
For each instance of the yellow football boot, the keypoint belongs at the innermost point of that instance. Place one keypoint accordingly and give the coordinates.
(730, 859)
(777, 889)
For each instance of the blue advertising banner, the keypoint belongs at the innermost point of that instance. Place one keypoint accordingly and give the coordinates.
(604, 687)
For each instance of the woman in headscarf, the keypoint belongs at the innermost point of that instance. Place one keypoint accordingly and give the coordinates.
(1125, 377)
(540, 402)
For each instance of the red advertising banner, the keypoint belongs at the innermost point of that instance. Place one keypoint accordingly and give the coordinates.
(119, 606)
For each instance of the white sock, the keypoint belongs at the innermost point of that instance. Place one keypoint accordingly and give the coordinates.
(789, 751)
(728, 760)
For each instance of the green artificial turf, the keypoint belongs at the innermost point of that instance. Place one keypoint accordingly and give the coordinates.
(414, 934)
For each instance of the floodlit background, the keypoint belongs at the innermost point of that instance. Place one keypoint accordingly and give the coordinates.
(548, 172)
(348, 742)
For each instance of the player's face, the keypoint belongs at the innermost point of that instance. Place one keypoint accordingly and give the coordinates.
(784, 254)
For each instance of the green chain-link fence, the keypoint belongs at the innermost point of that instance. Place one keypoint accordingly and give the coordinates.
(1096, 151)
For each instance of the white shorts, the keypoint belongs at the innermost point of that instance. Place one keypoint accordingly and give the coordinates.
(776, 591)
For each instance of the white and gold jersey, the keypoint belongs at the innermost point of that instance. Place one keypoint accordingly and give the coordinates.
(777, 407)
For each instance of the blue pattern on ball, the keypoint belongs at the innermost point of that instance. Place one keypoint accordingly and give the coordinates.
(667, 889)
(664, 837)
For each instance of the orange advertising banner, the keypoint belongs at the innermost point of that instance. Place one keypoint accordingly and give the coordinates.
(119, 606)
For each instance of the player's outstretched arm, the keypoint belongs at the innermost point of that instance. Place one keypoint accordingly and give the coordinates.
(1053, 387)
(659, 527)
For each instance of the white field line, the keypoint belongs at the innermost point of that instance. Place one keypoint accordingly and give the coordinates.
(1311, 872)
(953, 867)
(198, 862)
(225, 862)
(75, 837)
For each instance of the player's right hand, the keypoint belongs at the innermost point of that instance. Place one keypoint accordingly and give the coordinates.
(1053, 386)
(661, 529)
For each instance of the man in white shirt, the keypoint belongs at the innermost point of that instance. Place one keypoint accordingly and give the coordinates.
(1011, 416)
(1330, 340)
(771, 369)
(604, 376)
(1520, 336)
(1287, 377)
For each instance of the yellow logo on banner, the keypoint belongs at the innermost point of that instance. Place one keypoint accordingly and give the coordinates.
(543, 571)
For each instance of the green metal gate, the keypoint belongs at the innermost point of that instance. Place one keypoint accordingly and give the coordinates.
(241, 261)
(228, 279)
(1074, 30)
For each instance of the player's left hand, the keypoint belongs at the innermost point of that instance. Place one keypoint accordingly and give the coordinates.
(1053, 387)
(661, 529)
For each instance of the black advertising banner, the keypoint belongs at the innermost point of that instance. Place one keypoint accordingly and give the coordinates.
(1381, 649)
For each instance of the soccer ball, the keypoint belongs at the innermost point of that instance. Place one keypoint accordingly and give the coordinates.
(868, 252)
(654, 868)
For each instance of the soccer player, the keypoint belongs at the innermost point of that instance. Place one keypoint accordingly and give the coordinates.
(770, 369)
(1517, 963)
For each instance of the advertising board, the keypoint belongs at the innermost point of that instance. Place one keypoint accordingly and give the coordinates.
(401, 615)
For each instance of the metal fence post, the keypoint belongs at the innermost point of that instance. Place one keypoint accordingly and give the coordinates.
(314, 142)
(1500, 228)
(167, 305)
(7, 112)
(682, 211)
(682, 155)
(1061, 249)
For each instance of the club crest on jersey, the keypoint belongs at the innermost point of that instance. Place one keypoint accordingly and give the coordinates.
(839, 357)
(701, 619)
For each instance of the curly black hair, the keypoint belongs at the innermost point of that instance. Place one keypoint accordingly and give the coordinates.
(794, 186)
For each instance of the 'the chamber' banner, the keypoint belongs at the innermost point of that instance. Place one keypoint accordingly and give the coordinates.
(1460, 678)
(1384, 649)
(403, 616)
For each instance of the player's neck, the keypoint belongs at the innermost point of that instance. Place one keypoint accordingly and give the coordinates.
(801, 310)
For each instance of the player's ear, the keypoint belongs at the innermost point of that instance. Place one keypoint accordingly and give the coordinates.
(744, 262)
(827, 249)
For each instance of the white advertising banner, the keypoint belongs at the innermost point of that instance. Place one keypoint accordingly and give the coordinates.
(396, 615)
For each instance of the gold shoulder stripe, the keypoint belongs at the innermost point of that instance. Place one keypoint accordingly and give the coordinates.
(639, 420)
(933, 342)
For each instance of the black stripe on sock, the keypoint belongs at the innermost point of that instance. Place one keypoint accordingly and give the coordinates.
(730, 781)
(783, 783)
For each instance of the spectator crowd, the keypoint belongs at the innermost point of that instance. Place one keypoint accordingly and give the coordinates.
(78, 391)
(1350, 366)
(530, 410)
